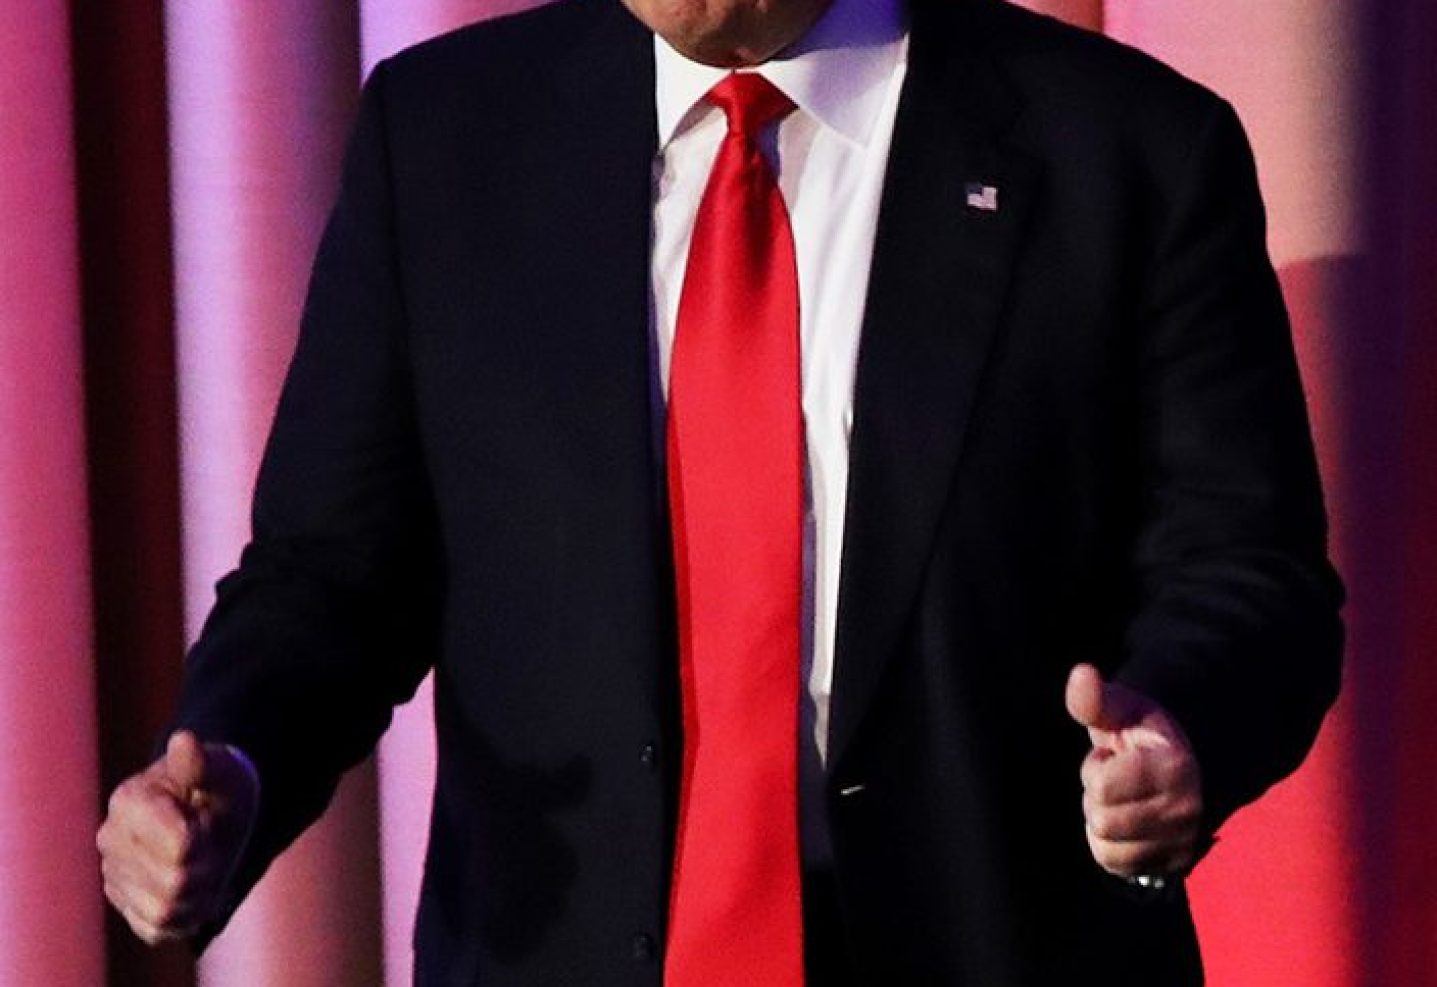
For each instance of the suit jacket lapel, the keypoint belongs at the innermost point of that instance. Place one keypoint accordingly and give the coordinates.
(940, 274)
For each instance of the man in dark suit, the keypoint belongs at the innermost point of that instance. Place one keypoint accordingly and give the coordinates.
(1075, 464)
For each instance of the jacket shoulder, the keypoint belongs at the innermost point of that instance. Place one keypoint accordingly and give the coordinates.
(515, 53)
(1065, 71)
(1037, 47)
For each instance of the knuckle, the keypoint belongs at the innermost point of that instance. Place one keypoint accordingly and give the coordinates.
(1122, 861)
(1174, 773)
(135, 804)
(139, 786)
(138, 927)
(169, 841)
(139, 920)
(162, 912)
(1107, 856)
(123, 793)
(139, 924)
(1100, 821)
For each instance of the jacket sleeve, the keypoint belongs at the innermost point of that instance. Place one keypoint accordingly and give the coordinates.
(1237, 631)
(331, 617)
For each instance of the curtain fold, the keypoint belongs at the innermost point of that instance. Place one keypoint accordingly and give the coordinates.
(121, 142)
(260, 99)
(50, 894)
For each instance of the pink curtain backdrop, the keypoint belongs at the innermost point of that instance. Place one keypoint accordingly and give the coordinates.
(49, 776)
(165, 169)
(1276, 901)
(260, 97)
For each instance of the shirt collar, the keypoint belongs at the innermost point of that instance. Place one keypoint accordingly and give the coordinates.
(837, 73)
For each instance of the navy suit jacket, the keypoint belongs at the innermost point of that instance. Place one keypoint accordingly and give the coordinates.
(1079, 435)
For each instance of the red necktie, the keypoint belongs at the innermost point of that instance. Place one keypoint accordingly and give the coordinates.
(735, 459)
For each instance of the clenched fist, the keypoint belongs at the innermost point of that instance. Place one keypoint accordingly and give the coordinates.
(1142, 791)
(172, 836)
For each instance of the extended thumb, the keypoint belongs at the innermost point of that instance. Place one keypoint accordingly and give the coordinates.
(185, 760)
(1094, 703)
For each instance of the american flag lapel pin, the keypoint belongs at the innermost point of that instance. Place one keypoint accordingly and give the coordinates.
(982, 197)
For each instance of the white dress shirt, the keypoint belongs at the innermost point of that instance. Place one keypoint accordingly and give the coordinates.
(829, 156)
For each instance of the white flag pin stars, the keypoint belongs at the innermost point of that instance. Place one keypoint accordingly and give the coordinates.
(982, 197)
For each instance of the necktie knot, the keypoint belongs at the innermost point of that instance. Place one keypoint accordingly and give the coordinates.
(750, 102)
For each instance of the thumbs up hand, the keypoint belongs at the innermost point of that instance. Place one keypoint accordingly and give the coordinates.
(172, 837)
(1142, 791)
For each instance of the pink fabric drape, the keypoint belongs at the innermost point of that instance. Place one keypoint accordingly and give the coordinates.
(49, 886)
(386, 26)
(121, 144)
(261, 95)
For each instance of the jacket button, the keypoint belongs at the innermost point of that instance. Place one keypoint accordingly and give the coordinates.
(649, 756)
(642, 948)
